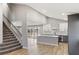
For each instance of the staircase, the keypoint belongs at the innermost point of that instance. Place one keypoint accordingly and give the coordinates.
(10, 43)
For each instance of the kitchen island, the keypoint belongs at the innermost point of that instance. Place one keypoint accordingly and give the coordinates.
(48, 39)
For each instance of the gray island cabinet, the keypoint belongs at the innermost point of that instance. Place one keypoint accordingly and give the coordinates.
(47, 39)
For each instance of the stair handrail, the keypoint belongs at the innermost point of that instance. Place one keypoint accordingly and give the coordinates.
(6, 19)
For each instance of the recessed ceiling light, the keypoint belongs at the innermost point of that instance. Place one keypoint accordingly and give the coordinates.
(63, 13)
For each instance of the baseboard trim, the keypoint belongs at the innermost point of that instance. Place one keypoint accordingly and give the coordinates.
(24, 47)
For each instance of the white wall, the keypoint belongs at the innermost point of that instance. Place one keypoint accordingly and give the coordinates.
(1, 20)
(5, 9)
(20, 12)
(34, 18)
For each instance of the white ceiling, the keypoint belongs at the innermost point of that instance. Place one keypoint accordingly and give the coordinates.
(56, 10)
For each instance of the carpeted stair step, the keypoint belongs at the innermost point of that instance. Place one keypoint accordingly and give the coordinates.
(10, 49)
(9, 43)
(9, 46)
(7, 40)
